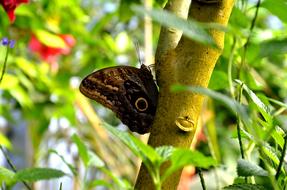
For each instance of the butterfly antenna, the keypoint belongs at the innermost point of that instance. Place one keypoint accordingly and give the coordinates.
(138, 51)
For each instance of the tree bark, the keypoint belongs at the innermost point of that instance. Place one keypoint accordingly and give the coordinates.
(188, 63)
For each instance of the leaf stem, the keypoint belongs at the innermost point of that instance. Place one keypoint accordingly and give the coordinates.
(238, 125)
(201, 179)
(156, 179)
(268, 168)
(12, 165)
(248, 38)
(230, 61)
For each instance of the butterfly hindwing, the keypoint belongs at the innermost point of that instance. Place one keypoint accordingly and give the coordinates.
(128, 91)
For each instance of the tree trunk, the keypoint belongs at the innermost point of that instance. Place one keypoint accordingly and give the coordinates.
(180, 60)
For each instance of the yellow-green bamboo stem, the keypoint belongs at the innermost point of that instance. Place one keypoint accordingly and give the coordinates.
(189, 63)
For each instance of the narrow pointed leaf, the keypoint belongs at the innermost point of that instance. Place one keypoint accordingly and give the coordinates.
(6, 175)
(246, 168)
(94, 160)
(245, 187)
(190, 28)
(36, 174)
(145, 152)
(262, 108)
(83, 151)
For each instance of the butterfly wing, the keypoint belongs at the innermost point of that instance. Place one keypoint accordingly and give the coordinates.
(128, 91)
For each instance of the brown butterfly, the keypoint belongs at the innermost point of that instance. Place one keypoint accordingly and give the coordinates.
(128, 91)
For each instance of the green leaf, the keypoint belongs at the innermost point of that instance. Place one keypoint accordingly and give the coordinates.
(165, 152)
(283, 105)
(218, 81)
(9, 81)
(161, 2)
(21, 96)
(278, 135)
(83, 151)
(270, 152)
(123, 184)
(262, 108)
(50, 39)
(183, 157)
(94, 160)
(27, 67)
(277, 8)
(251, 81)
(125, 12)
(70, 166)
(239, 19)
(4, 141)
(212, 136)
(96, 183)
(36, 174)
(273, 47)
(24, 11)
(149, 156)
(246, 168)
(245, 187)
(192, 29)
(6, 176)
(122, 42)
(145, 152)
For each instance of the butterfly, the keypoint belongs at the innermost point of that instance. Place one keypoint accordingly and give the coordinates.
(128, 91)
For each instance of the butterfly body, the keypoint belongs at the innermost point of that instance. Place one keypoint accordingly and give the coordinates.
(128, 91)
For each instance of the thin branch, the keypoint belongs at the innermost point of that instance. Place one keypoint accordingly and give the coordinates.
(201, 179)
(249, 37)
(230, 62)
(238, 125)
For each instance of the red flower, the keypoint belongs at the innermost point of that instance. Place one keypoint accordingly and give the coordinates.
(50, 54)
(10, 6)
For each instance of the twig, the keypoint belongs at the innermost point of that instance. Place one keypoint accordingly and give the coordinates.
(238, 125)
(201, 179)
(249, 36)
(230, 62)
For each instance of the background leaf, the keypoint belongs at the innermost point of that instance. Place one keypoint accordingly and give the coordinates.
(145, 152)
(184, 157)
(5, 142)
(245, 187)
(276, 7)
(6, 176)
(192, 29)
(83, 151)
(246, 168)
(36, 174)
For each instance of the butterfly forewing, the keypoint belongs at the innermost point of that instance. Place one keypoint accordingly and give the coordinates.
(128, 91)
